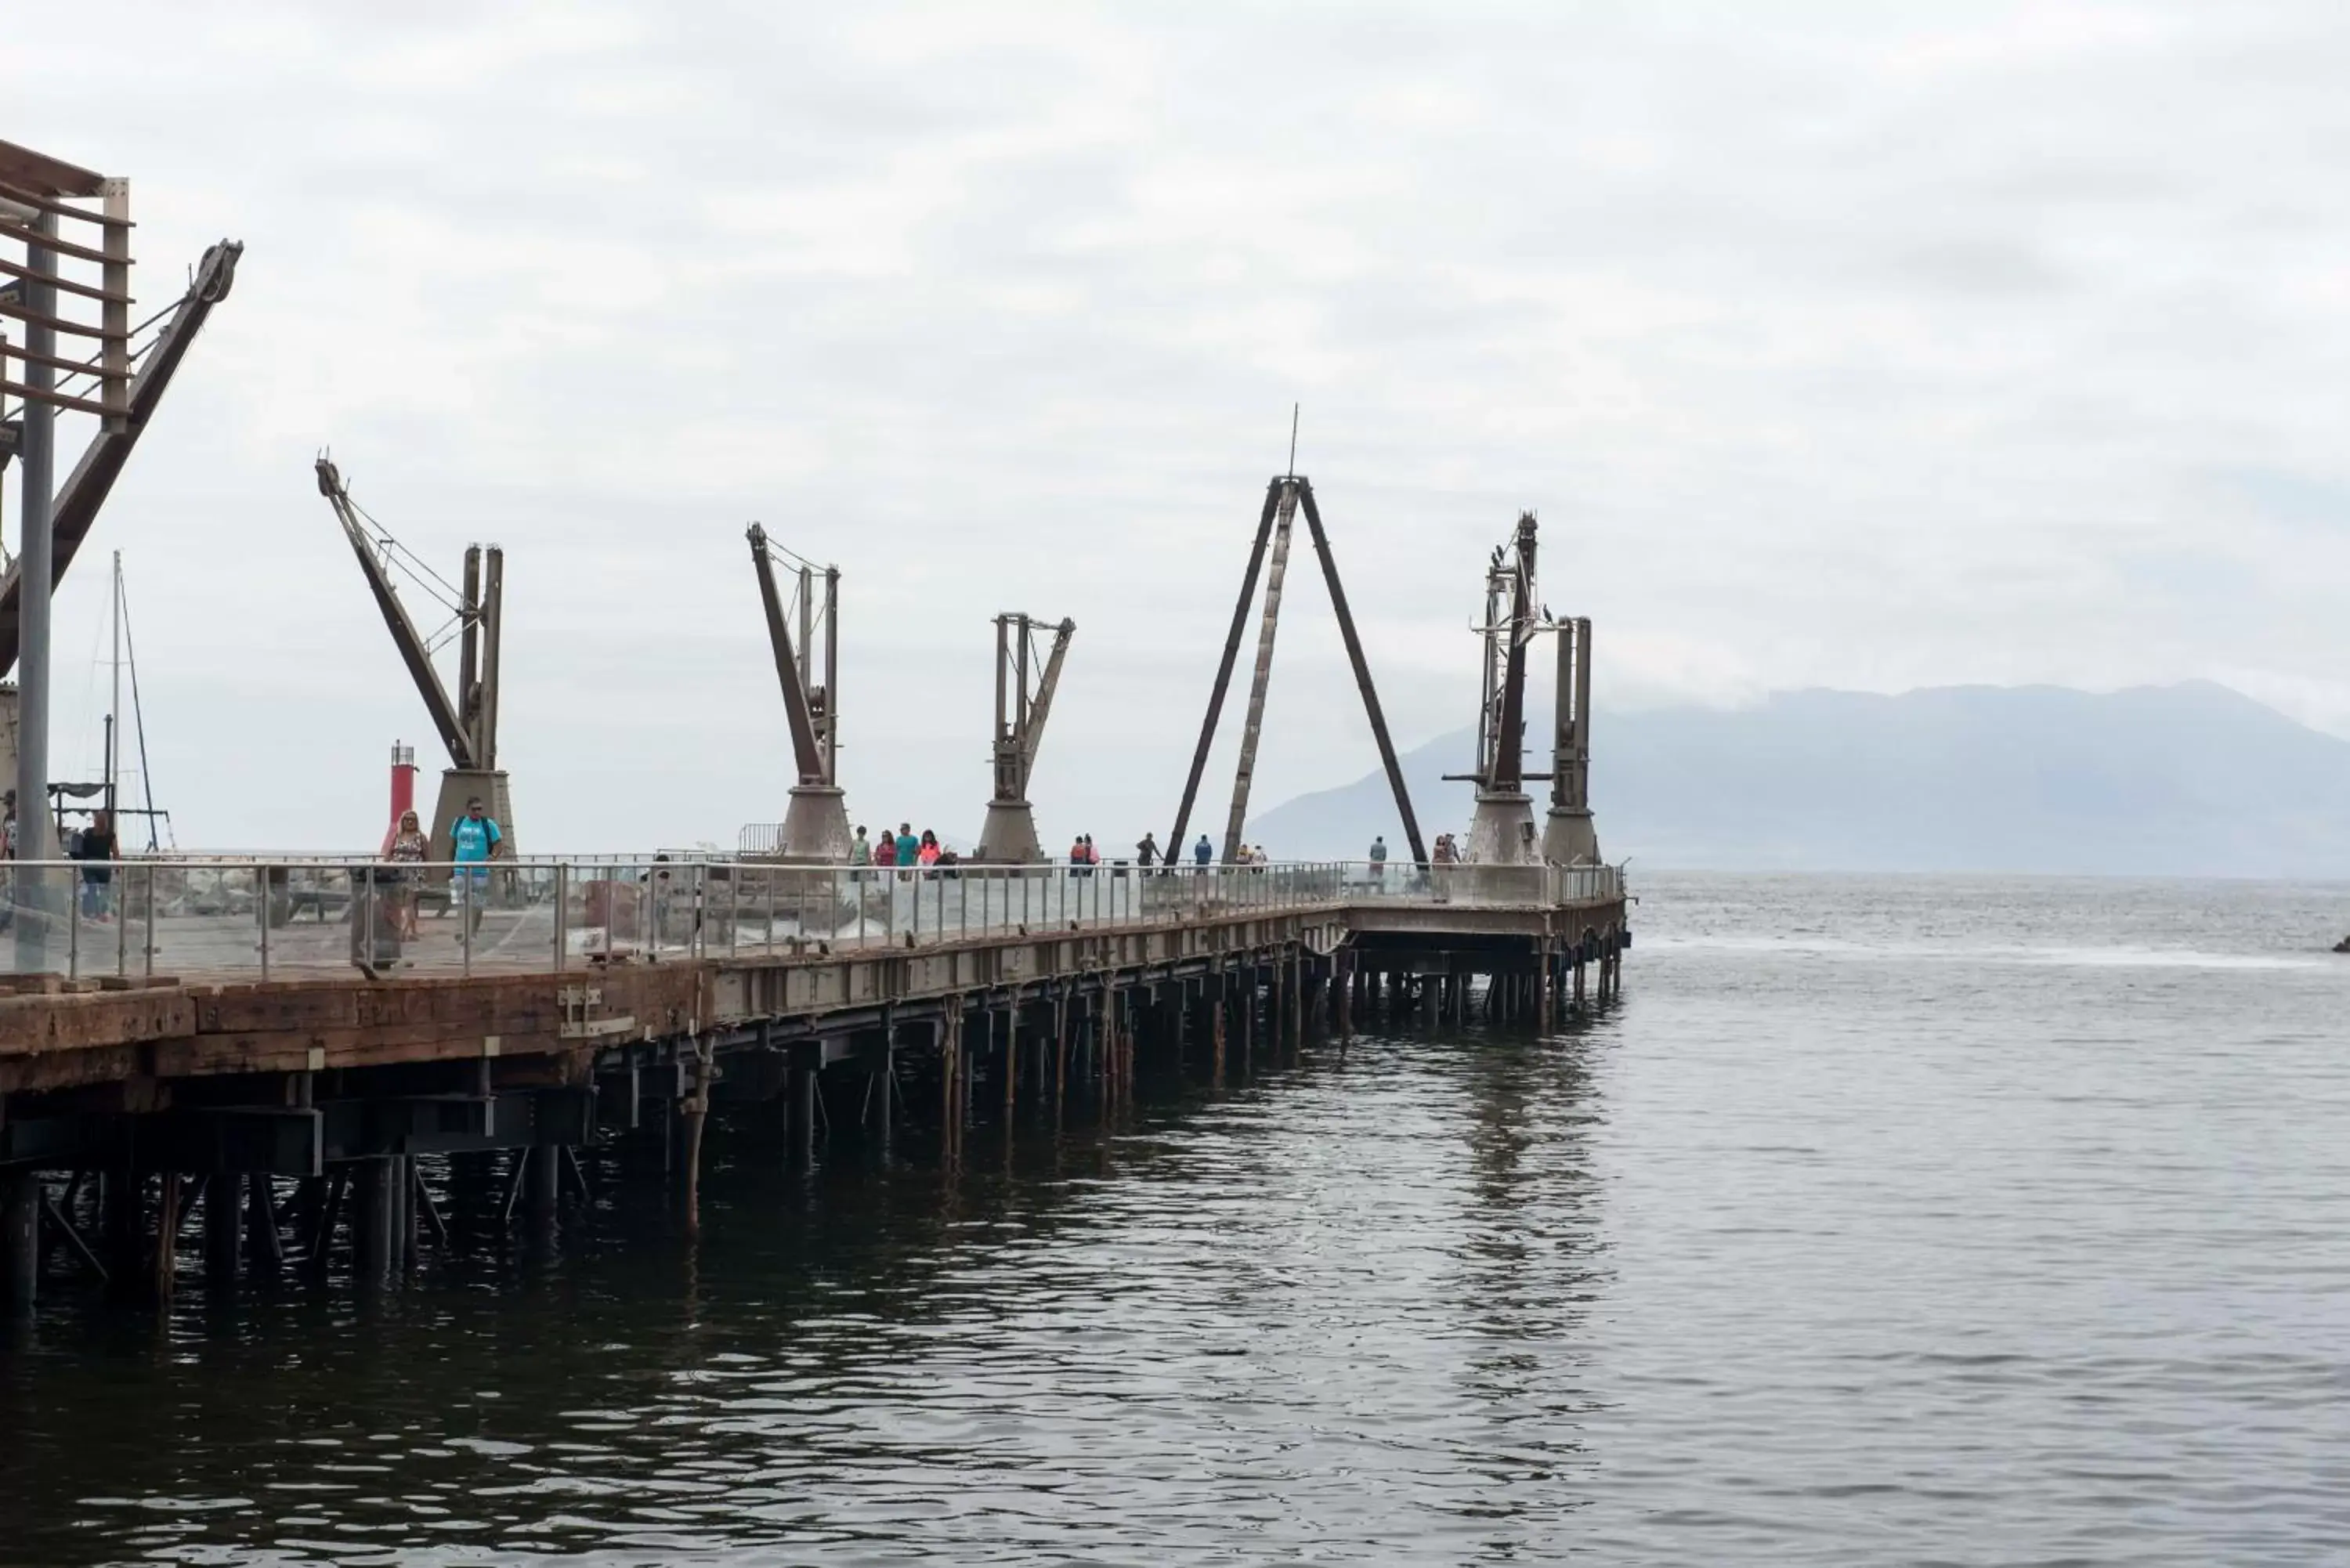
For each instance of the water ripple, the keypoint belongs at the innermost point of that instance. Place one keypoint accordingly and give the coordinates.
(1959, 1221)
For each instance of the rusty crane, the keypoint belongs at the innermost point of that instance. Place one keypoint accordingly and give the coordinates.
(468, 721)
(816, 824)
(1501, 831)
(1023, 700)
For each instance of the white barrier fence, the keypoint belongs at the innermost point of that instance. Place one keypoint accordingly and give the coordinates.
(239, 917)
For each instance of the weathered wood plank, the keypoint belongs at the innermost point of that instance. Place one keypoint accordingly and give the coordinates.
(70, 1069)
(72, 1022)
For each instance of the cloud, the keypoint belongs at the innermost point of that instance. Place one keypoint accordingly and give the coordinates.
(1836, 344)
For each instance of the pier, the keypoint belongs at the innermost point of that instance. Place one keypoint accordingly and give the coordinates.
(211, 1074)
(321, 1063)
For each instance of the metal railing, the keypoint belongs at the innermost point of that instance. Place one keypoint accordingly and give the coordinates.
(257, 918)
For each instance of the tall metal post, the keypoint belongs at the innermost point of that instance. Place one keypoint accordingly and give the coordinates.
(1253, 725)
(493, 624)
(114, 703)
(35, 836)
(468, 656)
(1362, 674)
(1569, 838)
(806, 597)
(1501, 831)
(1272, 494)
(1002, 687)
(831, 674)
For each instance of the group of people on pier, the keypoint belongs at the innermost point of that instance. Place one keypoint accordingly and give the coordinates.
(905, 850)
(475, 840)
(900, 848)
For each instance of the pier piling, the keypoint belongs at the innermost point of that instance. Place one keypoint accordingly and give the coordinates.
(20, 1240)
(290, 1109)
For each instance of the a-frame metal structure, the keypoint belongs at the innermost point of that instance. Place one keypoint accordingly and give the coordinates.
(816, 824)
(1024, 685)
(1285, 497)
(467, 723)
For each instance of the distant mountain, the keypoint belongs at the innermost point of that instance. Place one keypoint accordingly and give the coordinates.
(2191, 780)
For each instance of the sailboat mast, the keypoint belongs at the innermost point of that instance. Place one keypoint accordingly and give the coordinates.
(114, 704)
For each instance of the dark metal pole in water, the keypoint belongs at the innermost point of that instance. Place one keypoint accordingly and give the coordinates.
(20, 1240)
(224, 1225)
(1011, 1061)
(799, 1110)
(693, 1111)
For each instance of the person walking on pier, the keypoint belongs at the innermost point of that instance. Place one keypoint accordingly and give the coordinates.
(475, 839)
(1202, 852)
(909, 849)
(97, 850)
(860, 851)
(926, 852)
(1146, 853)
(1378, 860)
(409, 848)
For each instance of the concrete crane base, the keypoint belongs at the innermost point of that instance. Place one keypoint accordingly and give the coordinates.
(815, 826)
(1501, 831)
(1009, 836)
(1570, 839)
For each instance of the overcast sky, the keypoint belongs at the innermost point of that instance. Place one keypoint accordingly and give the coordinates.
(1860, 345)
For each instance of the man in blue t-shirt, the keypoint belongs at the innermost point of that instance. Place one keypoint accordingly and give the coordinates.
(1203, 851)
(476, 840)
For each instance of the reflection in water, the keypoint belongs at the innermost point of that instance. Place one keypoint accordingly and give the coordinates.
(1849, 1254)
(1527, 1267)
(1228, 1317)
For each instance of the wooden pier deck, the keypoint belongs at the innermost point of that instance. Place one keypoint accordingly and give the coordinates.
(293, 1109)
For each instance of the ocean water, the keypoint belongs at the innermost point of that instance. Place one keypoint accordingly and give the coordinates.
(1886, 1220)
